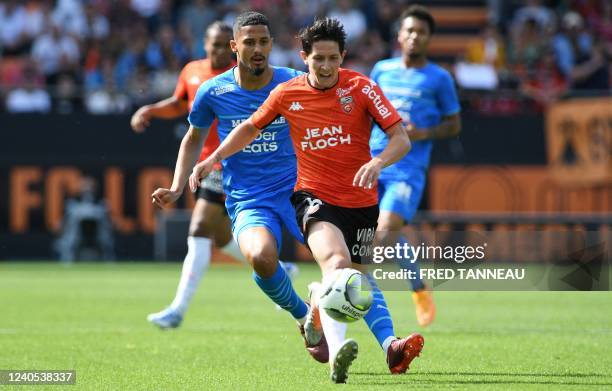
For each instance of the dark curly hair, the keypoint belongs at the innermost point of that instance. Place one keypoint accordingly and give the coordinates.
(421, 13)
(326, 29)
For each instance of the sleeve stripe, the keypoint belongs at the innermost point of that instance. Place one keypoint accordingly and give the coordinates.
(390, 126)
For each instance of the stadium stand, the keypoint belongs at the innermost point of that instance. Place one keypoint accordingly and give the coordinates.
(101, 45)
(87, 64)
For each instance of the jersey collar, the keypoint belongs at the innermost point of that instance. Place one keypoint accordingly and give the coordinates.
(324, 90)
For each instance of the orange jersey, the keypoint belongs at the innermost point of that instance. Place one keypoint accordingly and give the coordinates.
(192, 75)
(330, 130)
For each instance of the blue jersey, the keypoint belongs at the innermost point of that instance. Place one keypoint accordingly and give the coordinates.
(266, 168)
(422, 96)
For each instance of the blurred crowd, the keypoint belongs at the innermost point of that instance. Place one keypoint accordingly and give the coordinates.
(110, 56)
(544, 50)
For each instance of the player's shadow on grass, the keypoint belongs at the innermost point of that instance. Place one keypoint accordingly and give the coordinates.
(489, 374)
(432, 383)
(516, 374)
(417, 378)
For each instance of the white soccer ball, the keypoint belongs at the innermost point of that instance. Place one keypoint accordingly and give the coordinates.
(346, 297)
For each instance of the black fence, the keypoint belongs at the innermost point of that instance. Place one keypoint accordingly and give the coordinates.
(43, 156)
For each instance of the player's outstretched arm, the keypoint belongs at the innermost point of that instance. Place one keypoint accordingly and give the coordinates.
(240, 137)
(449, 127)
(191, 145)
(397, 147)
(168, 108)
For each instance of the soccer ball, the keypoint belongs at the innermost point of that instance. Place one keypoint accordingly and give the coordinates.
(346, 297)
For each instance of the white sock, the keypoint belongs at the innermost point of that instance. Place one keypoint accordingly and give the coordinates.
(387, 343)
(335, 333)
(232, 248)
(195, 264)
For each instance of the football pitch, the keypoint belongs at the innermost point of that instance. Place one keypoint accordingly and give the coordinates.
(91, 318)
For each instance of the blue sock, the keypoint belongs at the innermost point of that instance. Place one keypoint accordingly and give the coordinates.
(290, 268)
(378, 318)
(280, 290)
(404, 263)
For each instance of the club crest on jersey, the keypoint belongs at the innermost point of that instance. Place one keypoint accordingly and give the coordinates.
(347, 103)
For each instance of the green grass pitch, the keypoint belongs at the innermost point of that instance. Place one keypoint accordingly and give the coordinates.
(91, 317)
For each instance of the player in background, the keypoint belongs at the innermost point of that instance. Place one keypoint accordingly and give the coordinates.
(258, 181)
(424, 95)
(330, 112)
(208, 220)
(209, 223)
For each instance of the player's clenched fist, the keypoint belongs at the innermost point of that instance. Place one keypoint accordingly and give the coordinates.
(141, 119)
(368, 174)
(164, 197)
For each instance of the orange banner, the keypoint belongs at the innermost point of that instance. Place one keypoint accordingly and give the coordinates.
(511, 189)
(34, 190)
(579, 133)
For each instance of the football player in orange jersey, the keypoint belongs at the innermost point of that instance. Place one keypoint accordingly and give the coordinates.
(208, 220)
(330, 112)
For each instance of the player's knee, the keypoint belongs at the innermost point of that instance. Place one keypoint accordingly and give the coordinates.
(263, 258)
(335, 262)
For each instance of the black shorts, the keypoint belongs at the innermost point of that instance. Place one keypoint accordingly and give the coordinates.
(358, 225)
(211, 188)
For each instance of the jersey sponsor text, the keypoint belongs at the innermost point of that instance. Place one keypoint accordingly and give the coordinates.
(371, 93)
(321, 138)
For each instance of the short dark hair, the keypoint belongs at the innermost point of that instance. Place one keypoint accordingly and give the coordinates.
(326, 29)
(421, 13)
(250, 18)
(219, 25)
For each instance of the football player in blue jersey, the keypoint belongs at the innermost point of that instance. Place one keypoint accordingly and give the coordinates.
(424, 95)
(258, 181)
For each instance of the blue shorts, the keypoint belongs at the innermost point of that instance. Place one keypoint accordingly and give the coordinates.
(271, 216)
(402, 196)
